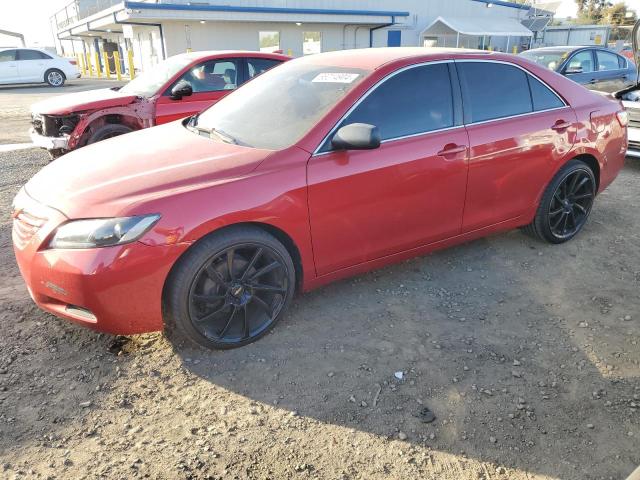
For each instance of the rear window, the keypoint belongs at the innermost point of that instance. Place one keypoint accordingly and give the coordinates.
(551, 59)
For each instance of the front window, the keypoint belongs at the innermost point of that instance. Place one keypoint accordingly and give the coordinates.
(211, 76)
(148, 84)
(276, 109)
(551, 59)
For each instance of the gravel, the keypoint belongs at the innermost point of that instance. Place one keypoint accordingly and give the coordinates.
(78, 404)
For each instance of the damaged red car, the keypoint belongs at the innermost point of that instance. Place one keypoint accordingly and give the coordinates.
(179, 87)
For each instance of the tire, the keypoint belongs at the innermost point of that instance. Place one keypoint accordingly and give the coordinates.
(108, 131)
(56, 153)
(565, 205)
(54, 77)
(218, 310)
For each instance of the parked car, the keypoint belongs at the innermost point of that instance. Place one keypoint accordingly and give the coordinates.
(627, 52)
(32, 65)
(327, 166)
(631, 99)
(176, 88)
(594, 67)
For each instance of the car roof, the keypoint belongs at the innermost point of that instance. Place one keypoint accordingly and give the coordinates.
(231, 53)
(373, 58)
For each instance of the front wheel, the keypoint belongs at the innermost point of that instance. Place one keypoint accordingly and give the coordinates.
(565, 205)
(230, 288)
(109, 130)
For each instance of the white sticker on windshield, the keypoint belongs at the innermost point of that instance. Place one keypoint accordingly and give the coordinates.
(335, 77)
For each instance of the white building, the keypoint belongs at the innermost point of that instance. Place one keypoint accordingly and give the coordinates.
(155, 29)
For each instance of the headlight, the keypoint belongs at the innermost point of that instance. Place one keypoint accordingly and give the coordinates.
(101, 232)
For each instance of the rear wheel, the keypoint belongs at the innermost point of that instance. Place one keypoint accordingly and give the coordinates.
(54, 77)
(108, 131)
(230, 288)
(565, 205)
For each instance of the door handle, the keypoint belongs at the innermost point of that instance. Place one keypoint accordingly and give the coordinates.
(560, 125)
(593, 81)
(452, 149)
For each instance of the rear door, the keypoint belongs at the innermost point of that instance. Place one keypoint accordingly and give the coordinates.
(612, 70)
(8, 67)
(519, 130)
(211, 80)
(366, 204)
(31, 65)
(257, 66)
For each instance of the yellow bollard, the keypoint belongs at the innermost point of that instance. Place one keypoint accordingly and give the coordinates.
(490, 48)
(290, 52)
(515, 49)
(116, 60)
(98, 69)
(189, 50)
(107, 73)
(89, 67)
(132, 70)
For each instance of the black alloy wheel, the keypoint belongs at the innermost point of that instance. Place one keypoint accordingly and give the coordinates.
(565, 205)
(571, 203)
(236, 294)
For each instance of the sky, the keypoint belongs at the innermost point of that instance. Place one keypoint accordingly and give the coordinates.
(31, 18)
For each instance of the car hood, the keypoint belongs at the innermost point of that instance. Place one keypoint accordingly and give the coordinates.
(82, 101)
(111, 177)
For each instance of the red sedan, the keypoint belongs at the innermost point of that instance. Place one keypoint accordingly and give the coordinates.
(324, 167)
(178, 87)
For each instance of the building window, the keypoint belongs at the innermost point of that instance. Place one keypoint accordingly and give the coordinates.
(269, 41)
(311, 43)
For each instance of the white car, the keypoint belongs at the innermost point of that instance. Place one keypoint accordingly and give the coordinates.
(31, 65)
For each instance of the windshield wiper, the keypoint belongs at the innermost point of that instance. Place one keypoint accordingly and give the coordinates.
(225, 137)
(210, 132)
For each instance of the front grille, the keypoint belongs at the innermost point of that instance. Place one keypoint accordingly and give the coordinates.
(634, 145)
(25, 227)
(634, 123)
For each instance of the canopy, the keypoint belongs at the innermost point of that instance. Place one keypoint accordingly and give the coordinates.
(489, 26)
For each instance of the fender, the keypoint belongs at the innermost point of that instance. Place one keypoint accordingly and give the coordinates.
(140, 112)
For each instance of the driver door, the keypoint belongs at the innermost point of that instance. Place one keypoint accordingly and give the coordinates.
(410, 191)
(210, 80)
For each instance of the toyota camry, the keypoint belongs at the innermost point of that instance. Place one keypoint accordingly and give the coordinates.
(324, 167)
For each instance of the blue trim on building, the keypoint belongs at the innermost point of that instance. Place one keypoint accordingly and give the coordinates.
(504, 4)
(229, 8)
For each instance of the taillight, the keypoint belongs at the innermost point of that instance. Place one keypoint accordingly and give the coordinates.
(623, 118)
(72, 62)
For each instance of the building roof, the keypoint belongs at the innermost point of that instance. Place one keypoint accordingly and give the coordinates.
(247, 9)
(477, 26)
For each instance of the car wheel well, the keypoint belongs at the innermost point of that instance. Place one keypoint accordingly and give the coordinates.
(592, 163)
(109, 119)
(279, 234)
(54, 69)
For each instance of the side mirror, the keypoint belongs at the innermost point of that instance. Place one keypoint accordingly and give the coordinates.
(181, 89)
(356, 136)
(570, 70)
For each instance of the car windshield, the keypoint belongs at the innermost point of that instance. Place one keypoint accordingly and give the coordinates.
(552, 59)
(276, 109)
(148, 83)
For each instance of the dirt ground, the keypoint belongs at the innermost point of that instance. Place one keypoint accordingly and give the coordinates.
(528, 355)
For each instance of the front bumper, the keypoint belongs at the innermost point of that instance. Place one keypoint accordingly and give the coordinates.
(50, 143)
(633, 149)
(115, 290)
